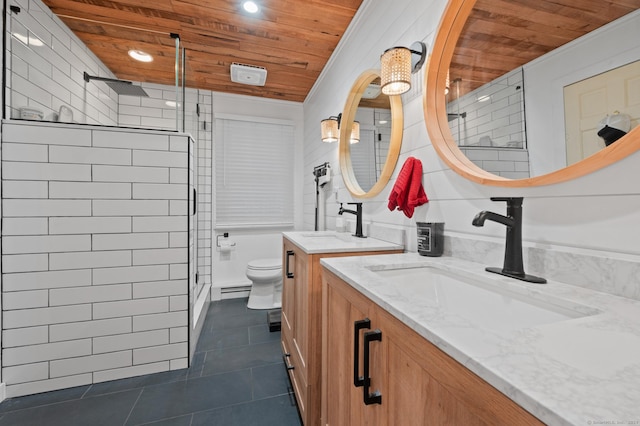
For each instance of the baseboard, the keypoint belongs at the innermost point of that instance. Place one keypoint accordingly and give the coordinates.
(230, 290)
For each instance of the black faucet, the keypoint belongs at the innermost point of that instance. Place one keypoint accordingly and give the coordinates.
(358, 214)
(513, 266)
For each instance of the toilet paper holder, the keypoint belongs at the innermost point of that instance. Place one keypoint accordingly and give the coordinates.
(225, 235)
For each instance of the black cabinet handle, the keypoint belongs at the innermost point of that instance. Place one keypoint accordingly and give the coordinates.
(286, 362)
(289, 253)
(373, 397)
(357, 326)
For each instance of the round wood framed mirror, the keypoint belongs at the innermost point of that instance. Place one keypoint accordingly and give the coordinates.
(367, 166)
(450, 57)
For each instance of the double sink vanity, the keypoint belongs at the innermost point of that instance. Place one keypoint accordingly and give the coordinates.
(375, 336)
(372, 335)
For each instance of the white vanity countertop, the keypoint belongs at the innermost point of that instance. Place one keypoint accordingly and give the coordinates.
(337, 242)
(575, 371)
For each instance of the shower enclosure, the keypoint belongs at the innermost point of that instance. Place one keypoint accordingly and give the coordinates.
(107, 180)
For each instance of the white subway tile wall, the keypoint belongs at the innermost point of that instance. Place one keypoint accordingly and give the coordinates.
(95, 255)
(48, 76)
(491, 134)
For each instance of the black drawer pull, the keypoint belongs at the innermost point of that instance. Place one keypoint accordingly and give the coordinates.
(289, 254)
(286, 362)
(373, 397)
(358, 380)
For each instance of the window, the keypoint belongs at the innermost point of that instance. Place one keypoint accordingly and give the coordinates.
(253, 172)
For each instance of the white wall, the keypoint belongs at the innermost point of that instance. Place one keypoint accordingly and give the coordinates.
(609, 47)
(229, 268)
(596, 215)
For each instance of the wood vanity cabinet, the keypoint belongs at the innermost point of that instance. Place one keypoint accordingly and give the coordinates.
(417, 383)
(301, 324)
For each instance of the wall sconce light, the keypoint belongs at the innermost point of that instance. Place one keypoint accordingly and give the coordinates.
(355, 132)
(447, 84)
(330, 128)
(397, 64)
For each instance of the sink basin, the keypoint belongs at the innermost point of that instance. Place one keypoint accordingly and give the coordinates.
(327, 234)
(487, 305)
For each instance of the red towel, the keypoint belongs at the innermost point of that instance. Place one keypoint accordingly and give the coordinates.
(408, 192)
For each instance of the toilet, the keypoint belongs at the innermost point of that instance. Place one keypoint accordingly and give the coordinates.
(266, 287)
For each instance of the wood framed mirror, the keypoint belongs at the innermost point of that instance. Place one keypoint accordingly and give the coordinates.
(527, 26)
(367, 166)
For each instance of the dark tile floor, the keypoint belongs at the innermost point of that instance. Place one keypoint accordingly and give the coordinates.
(236, 378)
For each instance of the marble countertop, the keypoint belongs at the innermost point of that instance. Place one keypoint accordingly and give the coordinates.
(579, 370)
(337, 242)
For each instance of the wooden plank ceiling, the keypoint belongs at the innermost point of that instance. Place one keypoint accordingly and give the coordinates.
(292, 39)
(501, 35)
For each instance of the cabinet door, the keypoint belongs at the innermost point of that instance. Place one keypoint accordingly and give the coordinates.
(288, 304)
(300, 295)
(343, 402)
(425, 386)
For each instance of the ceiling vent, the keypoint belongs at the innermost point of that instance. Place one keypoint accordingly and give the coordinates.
(372, 91)
(248, 74)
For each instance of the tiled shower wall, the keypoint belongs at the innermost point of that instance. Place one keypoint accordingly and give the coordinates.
(47, 62)
(154, 112)
(94, 255)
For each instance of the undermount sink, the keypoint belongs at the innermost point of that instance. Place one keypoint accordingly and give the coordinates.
(485, 304)
(327, 234)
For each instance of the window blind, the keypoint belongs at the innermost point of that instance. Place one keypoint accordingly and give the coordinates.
(254, 164)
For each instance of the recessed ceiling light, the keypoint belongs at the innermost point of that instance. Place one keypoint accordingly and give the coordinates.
(250, 6)
(141, 56)
(171, 104)
(484, 98)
